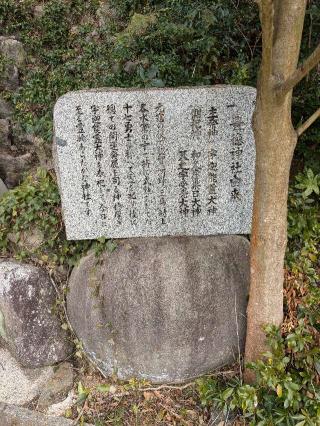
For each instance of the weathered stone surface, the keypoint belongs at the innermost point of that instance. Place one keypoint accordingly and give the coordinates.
(30, 239)
(20, 385)
(6, 110)
(60, 408)
(14, 55)
(3, 188)
(57, 388)
(38, 11)
(10, 78)
(105, 13)
(163, 309)
(12, 168)
(4, 133)
(11, 415)
(30, 329)
(12, 50)
(156, 162)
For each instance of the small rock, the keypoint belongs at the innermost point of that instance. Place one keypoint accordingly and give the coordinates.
(10, 80)
(5, 133)
(105, 13)
(130, 67)
(3, 188)
(19, 385)
(30, 329)
(6, 110)
(60, 408)
(11, 415)
(41, 150)
(31, 239)
(38, 11)
(14, 167)
(13, 51)
(57, 388)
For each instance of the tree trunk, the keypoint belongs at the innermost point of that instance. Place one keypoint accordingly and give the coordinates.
(275, 138)
(274, 149)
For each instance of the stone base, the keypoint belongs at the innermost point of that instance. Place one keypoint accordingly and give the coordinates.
(162, 309)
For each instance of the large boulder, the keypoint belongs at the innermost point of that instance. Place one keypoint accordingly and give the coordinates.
(163, 309)
(28, 325)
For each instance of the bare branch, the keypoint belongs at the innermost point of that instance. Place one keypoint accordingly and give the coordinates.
(266, 17)
(299, 73)
(308, 123)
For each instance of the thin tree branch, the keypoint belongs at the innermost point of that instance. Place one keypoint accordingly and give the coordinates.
(308, 122)
(299, 73)
(266, 17)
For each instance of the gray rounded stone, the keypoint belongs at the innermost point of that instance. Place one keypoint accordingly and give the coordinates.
(28, 326)
(12, 50)
(163, 309)
(20, 385)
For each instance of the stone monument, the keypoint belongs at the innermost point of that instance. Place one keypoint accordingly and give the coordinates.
(174, 167)
(156, 162)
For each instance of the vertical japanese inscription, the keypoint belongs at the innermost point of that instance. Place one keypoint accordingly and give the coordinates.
(196, 114)
(114, 157)
(145, 160)
(81, 139)
(98, 154)
(161, 169)
(196, 129)
(212, 123)
(196, 170)
(236, 157)
(183, 170)
(131, 177)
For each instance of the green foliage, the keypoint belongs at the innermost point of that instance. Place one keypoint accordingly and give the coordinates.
(167, 43)
(287, 390)
(304, 224)
(35, 205)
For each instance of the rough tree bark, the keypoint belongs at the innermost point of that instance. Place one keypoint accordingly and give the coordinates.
(275, 137)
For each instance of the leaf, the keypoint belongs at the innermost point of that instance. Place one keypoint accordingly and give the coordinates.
(111, 246)
(148, 395)
(279, 390)
(227, 393)
(83, 393)
(103, 388)
(157, 82)
(312, 257)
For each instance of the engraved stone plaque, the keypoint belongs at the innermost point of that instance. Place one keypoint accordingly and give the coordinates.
(155, 162)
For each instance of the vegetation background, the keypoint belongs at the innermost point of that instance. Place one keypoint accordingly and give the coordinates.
(75, 44)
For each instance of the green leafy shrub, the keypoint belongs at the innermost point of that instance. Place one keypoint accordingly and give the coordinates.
(304, 225)
(167, 43)
(35, 205)
(287, 390)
